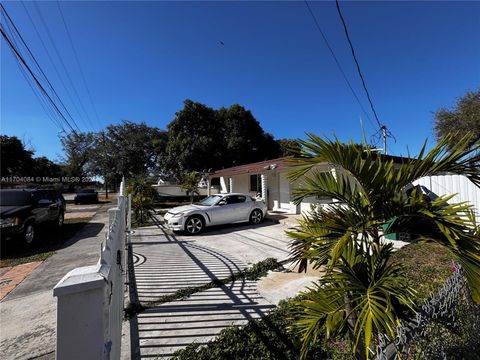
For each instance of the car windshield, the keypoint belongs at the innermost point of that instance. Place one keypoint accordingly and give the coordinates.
(211, 200)
(87, 191)
(15, 198)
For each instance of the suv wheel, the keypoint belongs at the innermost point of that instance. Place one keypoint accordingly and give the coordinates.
(194, 225)
(29, 233)
(256, 216)
(60, 219)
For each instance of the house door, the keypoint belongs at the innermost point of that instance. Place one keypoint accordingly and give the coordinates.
(284, 192)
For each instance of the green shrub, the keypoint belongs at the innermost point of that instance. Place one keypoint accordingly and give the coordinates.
(268, 338)
(455, 337)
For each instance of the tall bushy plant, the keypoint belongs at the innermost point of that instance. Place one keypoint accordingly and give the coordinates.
(190, 183)
(360, 293)
(143, 195)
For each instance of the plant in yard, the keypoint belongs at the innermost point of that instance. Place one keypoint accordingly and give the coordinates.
(190, 183)
(142, 199)
(362, 293)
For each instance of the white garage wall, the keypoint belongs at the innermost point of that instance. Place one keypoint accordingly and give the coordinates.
(450, 184)
(272, 186)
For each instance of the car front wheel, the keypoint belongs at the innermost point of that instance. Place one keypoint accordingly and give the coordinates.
(194, 225)
(60, 219)
(256, 216)
(29, 233)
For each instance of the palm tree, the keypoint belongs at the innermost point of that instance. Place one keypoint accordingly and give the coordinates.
(362, 293)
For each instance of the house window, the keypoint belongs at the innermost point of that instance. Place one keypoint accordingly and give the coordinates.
(256, 183)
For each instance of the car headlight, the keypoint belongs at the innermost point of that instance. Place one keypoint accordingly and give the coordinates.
(177, 215)
(8, 222)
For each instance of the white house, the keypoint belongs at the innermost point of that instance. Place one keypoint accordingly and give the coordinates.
(268, 179)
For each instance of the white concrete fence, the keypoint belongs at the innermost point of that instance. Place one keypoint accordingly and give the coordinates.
(91, 298)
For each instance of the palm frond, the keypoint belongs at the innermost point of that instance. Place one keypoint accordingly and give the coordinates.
(364, 281)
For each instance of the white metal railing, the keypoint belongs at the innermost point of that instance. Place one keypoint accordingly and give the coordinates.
(90, 299)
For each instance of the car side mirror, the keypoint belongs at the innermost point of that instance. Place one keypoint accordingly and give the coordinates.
(222, 202)
(44, 202)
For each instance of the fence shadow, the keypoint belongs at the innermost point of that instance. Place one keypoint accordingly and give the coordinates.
(162, 265)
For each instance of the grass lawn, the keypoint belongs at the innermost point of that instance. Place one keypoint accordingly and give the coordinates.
(427, 266)
(48, 240)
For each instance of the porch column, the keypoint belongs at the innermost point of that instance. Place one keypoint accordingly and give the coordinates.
(208, 186)
(264, 188)
(230, 185)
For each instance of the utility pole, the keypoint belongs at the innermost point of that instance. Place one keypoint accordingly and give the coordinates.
(104, 164)
(384, 133)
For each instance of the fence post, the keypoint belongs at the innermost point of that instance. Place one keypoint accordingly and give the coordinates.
(80, 314)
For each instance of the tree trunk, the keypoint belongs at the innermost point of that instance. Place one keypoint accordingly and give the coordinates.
(360, 353)
(106, 188)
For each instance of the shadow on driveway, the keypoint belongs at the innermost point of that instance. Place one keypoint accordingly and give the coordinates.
(48, 240)
(163, 265)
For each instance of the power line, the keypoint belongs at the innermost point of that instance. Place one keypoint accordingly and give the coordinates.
(10, 21)
(78, 62)
(53, 116)
(45, 25)
(53, 63)
(356, 63)
(338, 63)
(20, 57)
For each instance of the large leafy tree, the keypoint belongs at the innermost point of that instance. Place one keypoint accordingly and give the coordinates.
(15, 159)
(245, 140)
(78, 149)
(289, 147)
(463, 118)
(133, 148)
(194, 140)
(42, 166)
(126, 149)
(362, 293)
(201, 138)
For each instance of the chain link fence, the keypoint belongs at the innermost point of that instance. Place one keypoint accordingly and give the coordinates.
(446, 327)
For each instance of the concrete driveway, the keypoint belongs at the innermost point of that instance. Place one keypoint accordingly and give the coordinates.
(165, 262)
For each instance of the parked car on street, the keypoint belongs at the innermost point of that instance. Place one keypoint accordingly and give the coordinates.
(215, 210)
(86, 196)
(24, 210)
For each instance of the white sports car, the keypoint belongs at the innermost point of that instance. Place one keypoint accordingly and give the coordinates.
(215, 210)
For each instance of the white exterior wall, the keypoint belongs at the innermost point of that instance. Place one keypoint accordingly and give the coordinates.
(453, 184)
(176, 190)
(242, 184)
(224, 185)
(272, 187)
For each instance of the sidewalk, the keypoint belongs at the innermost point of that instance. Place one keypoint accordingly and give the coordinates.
(28, 312)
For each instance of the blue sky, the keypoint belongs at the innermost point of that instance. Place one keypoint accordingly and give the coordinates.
(141, 60)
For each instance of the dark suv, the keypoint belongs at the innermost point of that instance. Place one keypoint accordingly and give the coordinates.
(23, 210)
